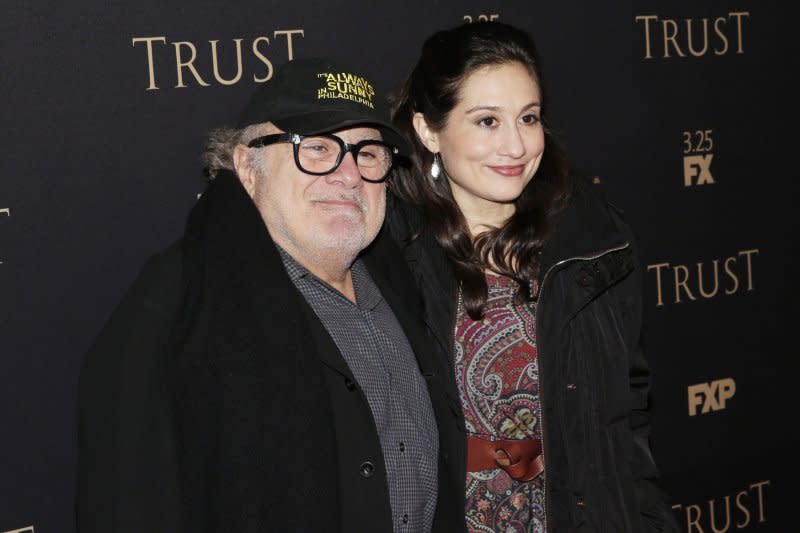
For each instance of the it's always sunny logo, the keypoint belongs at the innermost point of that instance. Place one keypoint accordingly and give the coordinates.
(347, 87)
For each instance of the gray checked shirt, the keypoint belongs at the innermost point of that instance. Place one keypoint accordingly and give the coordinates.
(379, 355)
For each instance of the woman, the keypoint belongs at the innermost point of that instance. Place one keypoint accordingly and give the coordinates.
(530, 286)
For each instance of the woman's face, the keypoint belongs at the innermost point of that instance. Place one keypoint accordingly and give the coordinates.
(493, 141)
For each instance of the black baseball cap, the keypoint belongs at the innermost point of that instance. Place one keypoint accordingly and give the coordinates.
(320, 95)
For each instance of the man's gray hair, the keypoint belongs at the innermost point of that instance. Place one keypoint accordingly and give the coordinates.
(219, 148)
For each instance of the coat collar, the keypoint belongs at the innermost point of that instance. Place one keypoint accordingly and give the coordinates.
(384, 262)
(226, 239)
(583, 230)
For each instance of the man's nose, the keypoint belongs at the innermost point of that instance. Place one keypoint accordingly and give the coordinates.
(346, 173)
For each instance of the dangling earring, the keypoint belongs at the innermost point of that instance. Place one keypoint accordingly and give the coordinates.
(436, 166)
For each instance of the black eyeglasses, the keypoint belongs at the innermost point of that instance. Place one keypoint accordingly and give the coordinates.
(322, 154)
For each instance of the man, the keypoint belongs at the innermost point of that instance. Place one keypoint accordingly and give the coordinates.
(269, 372)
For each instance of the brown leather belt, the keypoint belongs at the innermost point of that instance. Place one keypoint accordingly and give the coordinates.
(521, 459)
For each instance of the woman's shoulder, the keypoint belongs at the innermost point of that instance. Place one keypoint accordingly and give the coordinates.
(587, 223)
(587, 196)
(589, 202)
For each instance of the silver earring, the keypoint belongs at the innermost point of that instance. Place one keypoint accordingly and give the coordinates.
(436, 166)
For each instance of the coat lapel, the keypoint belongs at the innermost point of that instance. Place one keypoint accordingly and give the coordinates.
(384, 263)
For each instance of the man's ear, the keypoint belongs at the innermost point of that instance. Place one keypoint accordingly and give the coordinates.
(244, 170)
(428, 137)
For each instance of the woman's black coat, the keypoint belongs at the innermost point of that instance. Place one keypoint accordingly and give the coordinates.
(600, 474)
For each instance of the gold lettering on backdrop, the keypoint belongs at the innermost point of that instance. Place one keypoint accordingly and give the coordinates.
(215, 62)
(676, 37)
(261, 57)
(646, 19)
(713, 292)
(671, 37)
(731, 275)
(703, 278)
(691, 36)
(697, 157)
(693, 514)
(481, 18)
(717, 515)
(658, 268)
(289, 41)
(151, 69)
(7, 212)
(699, 167)
(718, 30)
(747, 254)
(681, 280)
(742, 506)
(761, 513)
(727, 514)
(738, 15)
(188, 57)
(712, 396)
(180, 64)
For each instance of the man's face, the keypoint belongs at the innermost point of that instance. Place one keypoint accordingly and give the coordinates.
(316, 219)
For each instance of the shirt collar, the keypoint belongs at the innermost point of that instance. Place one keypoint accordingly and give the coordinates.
(367, 294)
(295, 270)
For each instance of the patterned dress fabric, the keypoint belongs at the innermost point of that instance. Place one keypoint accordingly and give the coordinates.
(498, 378)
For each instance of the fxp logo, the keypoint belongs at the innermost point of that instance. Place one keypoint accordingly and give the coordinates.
(710, 396)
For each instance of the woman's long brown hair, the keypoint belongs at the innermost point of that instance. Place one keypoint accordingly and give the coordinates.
(447, 59)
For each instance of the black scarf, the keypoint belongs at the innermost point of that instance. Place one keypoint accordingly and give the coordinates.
(251, 409)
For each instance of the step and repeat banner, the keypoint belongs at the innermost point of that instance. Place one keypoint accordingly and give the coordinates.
(682, 111)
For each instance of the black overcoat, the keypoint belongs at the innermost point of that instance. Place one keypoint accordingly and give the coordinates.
(215, 401)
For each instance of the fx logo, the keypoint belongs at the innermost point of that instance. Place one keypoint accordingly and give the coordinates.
(712, 396)
(697, 168)
(697, 156)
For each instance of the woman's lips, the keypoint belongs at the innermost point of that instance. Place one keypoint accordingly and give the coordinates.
(508, 170)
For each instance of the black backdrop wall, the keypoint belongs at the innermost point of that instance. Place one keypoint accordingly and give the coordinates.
(680, 110)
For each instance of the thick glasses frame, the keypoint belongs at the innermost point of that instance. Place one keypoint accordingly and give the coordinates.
(344, 148)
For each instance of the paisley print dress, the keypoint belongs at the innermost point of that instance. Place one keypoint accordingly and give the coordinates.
(498, 378)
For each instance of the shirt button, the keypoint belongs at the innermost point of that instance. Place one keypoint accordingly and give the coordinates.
(402, 447)
(366, 469)
(349, 385)
(405, 519)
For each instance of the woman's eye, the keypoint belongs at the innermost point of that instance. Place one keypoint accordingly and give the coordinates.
(487, 122)
(530, 119)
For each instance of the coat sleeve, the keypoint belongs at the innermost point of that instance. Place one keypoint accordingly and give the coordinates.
(656, 513)
(127, 472)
